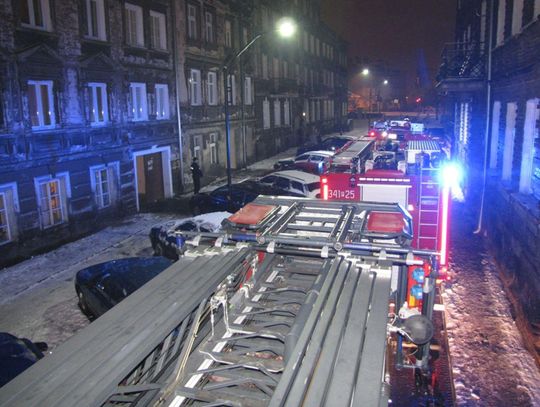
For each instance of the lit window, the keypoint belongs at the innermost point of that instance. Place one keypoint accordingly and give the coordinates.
(213, 148)
(530, 131)
(41, 104)
(248, 95)
(264, 66)
(209, 26)
(277, 113)
(139, 109)
(286, 113)
(192, 22)
(231, 85)
(99, 112)
(197, 148)
(52, 199)
(36, 14)
(162, 101)
(9, 207)
(228, 34)
(95, 20)
(134, 25)
(195, 87)
(266, 114)
(158, 30)
(509, 137)
(102, 179)
(211, 84)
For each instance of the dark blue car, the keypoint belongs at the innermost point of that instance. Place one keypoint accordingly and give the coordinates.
(17, 355)
(101, 286)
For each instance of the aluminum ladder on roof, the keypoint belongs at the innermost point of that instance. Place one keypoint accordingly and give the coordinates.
(428, 210)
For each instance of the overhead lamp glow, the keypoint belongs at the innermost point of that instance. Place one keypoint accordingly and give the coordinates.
(365, 72)
(385, 82)
(286, 27)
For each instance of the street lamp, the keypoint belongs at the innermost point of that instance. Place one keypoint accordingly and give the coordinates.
(285, 28)
(385, 82)
(365, 72)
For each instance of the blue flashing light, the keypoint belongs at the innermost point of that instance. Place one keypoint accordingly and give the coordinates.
(418, 274)
(416, 291)
(451, 174)
(180, 242)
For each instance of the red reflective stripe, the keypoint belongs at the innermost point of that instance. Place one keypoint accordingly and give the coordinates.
(444, 225)
(325, 192)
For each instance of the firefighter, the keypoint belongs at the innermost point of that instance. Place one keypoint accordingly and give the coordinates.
(196, 173)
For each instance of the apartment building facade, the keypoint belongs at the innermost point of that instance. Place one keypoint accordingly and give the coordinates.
(104, 103)
(493, 84)
(88, 127)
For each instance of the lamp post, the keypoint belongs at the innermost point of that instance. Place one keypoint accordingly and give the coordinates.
(285, 28)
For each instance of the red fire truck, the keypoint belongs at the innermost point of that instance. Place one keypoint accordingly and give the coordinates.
(407, 172)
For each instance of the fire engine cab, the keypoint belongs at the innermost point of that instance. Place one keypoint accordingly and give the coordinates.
(404, 171)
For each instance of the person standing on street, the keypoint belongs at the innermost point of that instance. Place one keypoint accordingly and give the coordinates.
(196, 173)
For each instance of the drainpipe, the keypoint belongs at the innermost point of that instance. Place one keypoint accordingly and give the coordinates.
(488, 117)
(176, 56)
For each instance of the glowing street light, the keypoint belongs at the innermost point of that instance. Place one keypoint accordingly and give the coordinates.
(286, 27)
(385, 82)
(365, 72)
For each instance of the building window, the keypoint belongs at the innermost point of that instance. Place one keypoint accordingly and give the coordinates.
(517, 16)
(264, 66)
(266, 114)
(248, 94)
(52, 195)
(509, 135)
(529, 135)
(211, 85)
(231, 85)
(95, 20)
(228, 34)
(209, 26)
(197, 148)
(275, 67)
(277, 113)
(192, 22)
(139, 107)
(195, 87)
(495, 120)
(36, 14)
(162, 101)
(245, 38)
(9, 206)
(213, 148)
(134, 25)
(99, 112)
(286, 113)
(158, 30)
(103, 183)
(41, 104)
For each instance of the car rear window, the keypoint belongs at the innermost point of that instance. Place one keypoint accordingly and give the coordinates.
(313, 186)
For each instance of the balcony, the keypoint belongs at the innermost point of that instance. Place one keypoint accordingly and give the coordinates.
(463, 67)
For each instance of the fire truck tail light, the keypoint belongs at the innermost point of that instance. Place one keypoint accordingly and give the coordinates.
(410, 207)
(325, 190)
(324, 180)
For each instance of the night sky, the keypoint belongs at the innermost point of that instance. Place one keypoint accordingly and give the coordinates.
(394, 31)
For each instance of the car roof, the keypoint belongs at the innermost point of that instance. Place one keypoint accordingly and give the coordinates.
(297, 175)
(319, 152)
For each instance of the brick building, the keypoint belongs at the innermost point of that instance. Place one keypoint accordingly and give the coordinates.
(492, 79)
(104, 103)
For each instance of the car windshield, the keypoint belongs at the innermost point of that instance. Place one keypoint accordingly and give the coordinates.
(312, 186)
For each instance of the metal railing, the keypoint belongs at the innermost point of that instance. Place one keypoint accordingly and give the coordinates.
(462, 60)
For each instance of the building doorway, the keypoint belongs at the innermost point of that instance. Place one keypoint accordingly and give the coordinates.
(153, 177)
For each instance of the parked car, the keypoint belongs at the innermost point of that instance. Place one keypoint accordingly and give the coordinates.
(334, 144)
(312, 161)
(101, 286)
(17, 355)
(163, 238)
(294, 181)
(241, 194)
